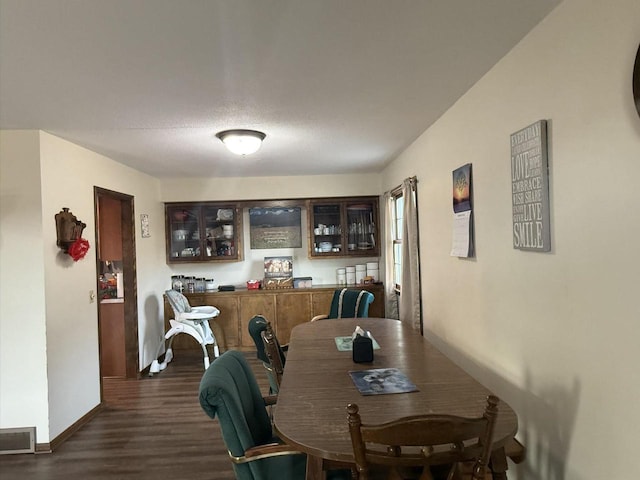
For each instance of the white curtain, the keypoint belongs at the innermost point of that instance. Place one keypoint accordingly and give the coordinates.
(409, 307)
(390, 296)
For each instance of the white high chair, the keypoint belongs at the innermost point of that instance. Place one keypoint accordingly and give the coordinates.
(193, 321)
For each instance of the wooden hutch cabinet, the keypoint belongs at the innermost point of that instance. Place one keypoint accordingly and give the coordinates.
(343, 227)
(203, 232)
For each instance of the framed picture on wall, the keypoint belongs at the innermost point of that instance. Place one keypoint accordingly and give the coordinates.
(275, 227)
(144, 225)
(530, 188)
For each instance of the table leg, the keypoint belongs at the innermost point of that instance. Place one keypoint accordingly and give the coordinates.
(314, 468)
(498, 464)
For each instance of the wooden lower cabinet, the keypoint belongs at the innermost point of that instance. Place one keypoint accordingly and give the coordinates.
(292, 309)
(250, 306)
(229, 307)
(284, 308)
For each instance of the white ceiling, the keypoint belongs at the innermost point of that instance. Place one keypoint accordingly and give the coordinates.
(338, 86)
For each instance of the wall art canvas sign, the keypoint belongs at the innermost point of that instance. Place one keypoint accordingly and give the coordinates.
(530, 188)
(275, 227)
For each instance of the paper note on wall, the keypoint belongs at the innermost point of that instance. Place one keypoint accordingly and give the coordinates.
(461, 234)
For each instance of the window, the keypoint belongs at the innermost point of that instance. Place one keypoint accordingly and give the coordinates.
(397, 224)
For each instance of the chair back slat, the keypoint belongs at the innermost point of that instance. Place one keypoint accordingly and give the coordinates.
(274, 353)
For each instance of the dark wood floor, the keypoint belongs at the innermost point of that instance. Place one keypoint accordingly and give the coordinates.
(152, 428)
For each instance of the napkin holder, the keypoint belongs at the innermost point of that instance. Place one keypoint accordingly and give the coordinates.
(362, 349)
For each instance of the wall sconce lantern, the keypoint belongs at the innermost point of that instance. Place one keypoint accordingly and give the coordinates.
(69, 232)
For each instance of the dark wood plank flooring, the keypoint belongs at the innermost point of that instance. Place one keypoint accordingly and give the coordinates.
(152, 428)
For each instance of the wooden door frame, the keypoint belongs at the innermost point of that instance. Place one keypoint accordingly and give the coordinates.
(129, 276)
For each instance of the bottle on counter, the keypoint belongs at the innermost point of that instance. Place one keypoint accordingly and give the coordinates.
(177, 283)
(190, 284)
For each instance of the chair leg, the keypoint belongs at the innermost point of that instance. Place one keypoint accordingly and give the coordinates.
(157, 367)
(195, 331)
(206, 355)
(167, 358)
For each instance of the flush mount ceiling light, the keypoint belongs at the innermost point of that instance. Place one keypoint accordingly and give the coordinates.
(241, 142)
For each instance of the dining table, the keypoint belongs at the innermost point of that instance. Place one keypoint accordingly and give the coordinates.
(317, 386)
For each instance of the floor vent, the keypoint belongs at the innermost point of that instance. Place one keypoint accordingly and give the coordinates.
(17, 440)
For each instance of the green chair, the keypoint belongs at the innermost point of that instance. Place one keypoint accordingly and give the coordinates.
(229, 390)
(348, 304)
(257, 325)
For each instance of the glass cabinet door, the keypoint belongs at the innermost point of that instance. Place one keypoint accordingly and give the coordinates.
(183, 233)
(220, 232)
(203, 232)
(361, 236)
(343, 228)
(327, 229)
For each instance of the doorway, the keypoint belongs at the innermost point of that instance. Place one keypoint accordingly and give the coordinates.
(117, 291)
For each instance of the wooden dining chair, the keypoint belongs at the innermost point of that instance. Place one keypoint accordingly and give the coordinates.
(275, 354)
(257, 325)
(428, 447)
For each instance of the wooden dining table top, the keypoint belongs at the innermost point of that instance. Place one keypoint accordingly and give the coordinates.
(316, 387)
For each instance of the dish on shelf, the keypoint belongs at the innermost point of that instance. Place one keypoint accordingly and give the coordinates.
(180, 234)
(225, 214)
(325, 246)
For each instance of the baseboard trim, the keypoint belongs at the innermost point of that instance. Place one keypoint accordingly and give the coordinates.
(60, 439)
(43, 448)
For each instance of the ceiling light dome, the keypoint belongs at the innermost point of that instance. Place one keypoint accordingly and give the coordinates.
(241, 142)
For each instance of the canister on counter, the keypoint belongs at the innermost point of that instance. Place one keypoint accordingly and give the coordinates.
(361, 272)
(372, 271)
(351, 275)
(177, 283)
(190, 284)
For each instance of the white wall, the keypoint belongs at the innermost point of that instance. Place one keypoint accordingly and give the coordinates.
(23, 349)
(69, 174)
(49, 364)
(323, 271)
(265, 188)
(556, 334)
